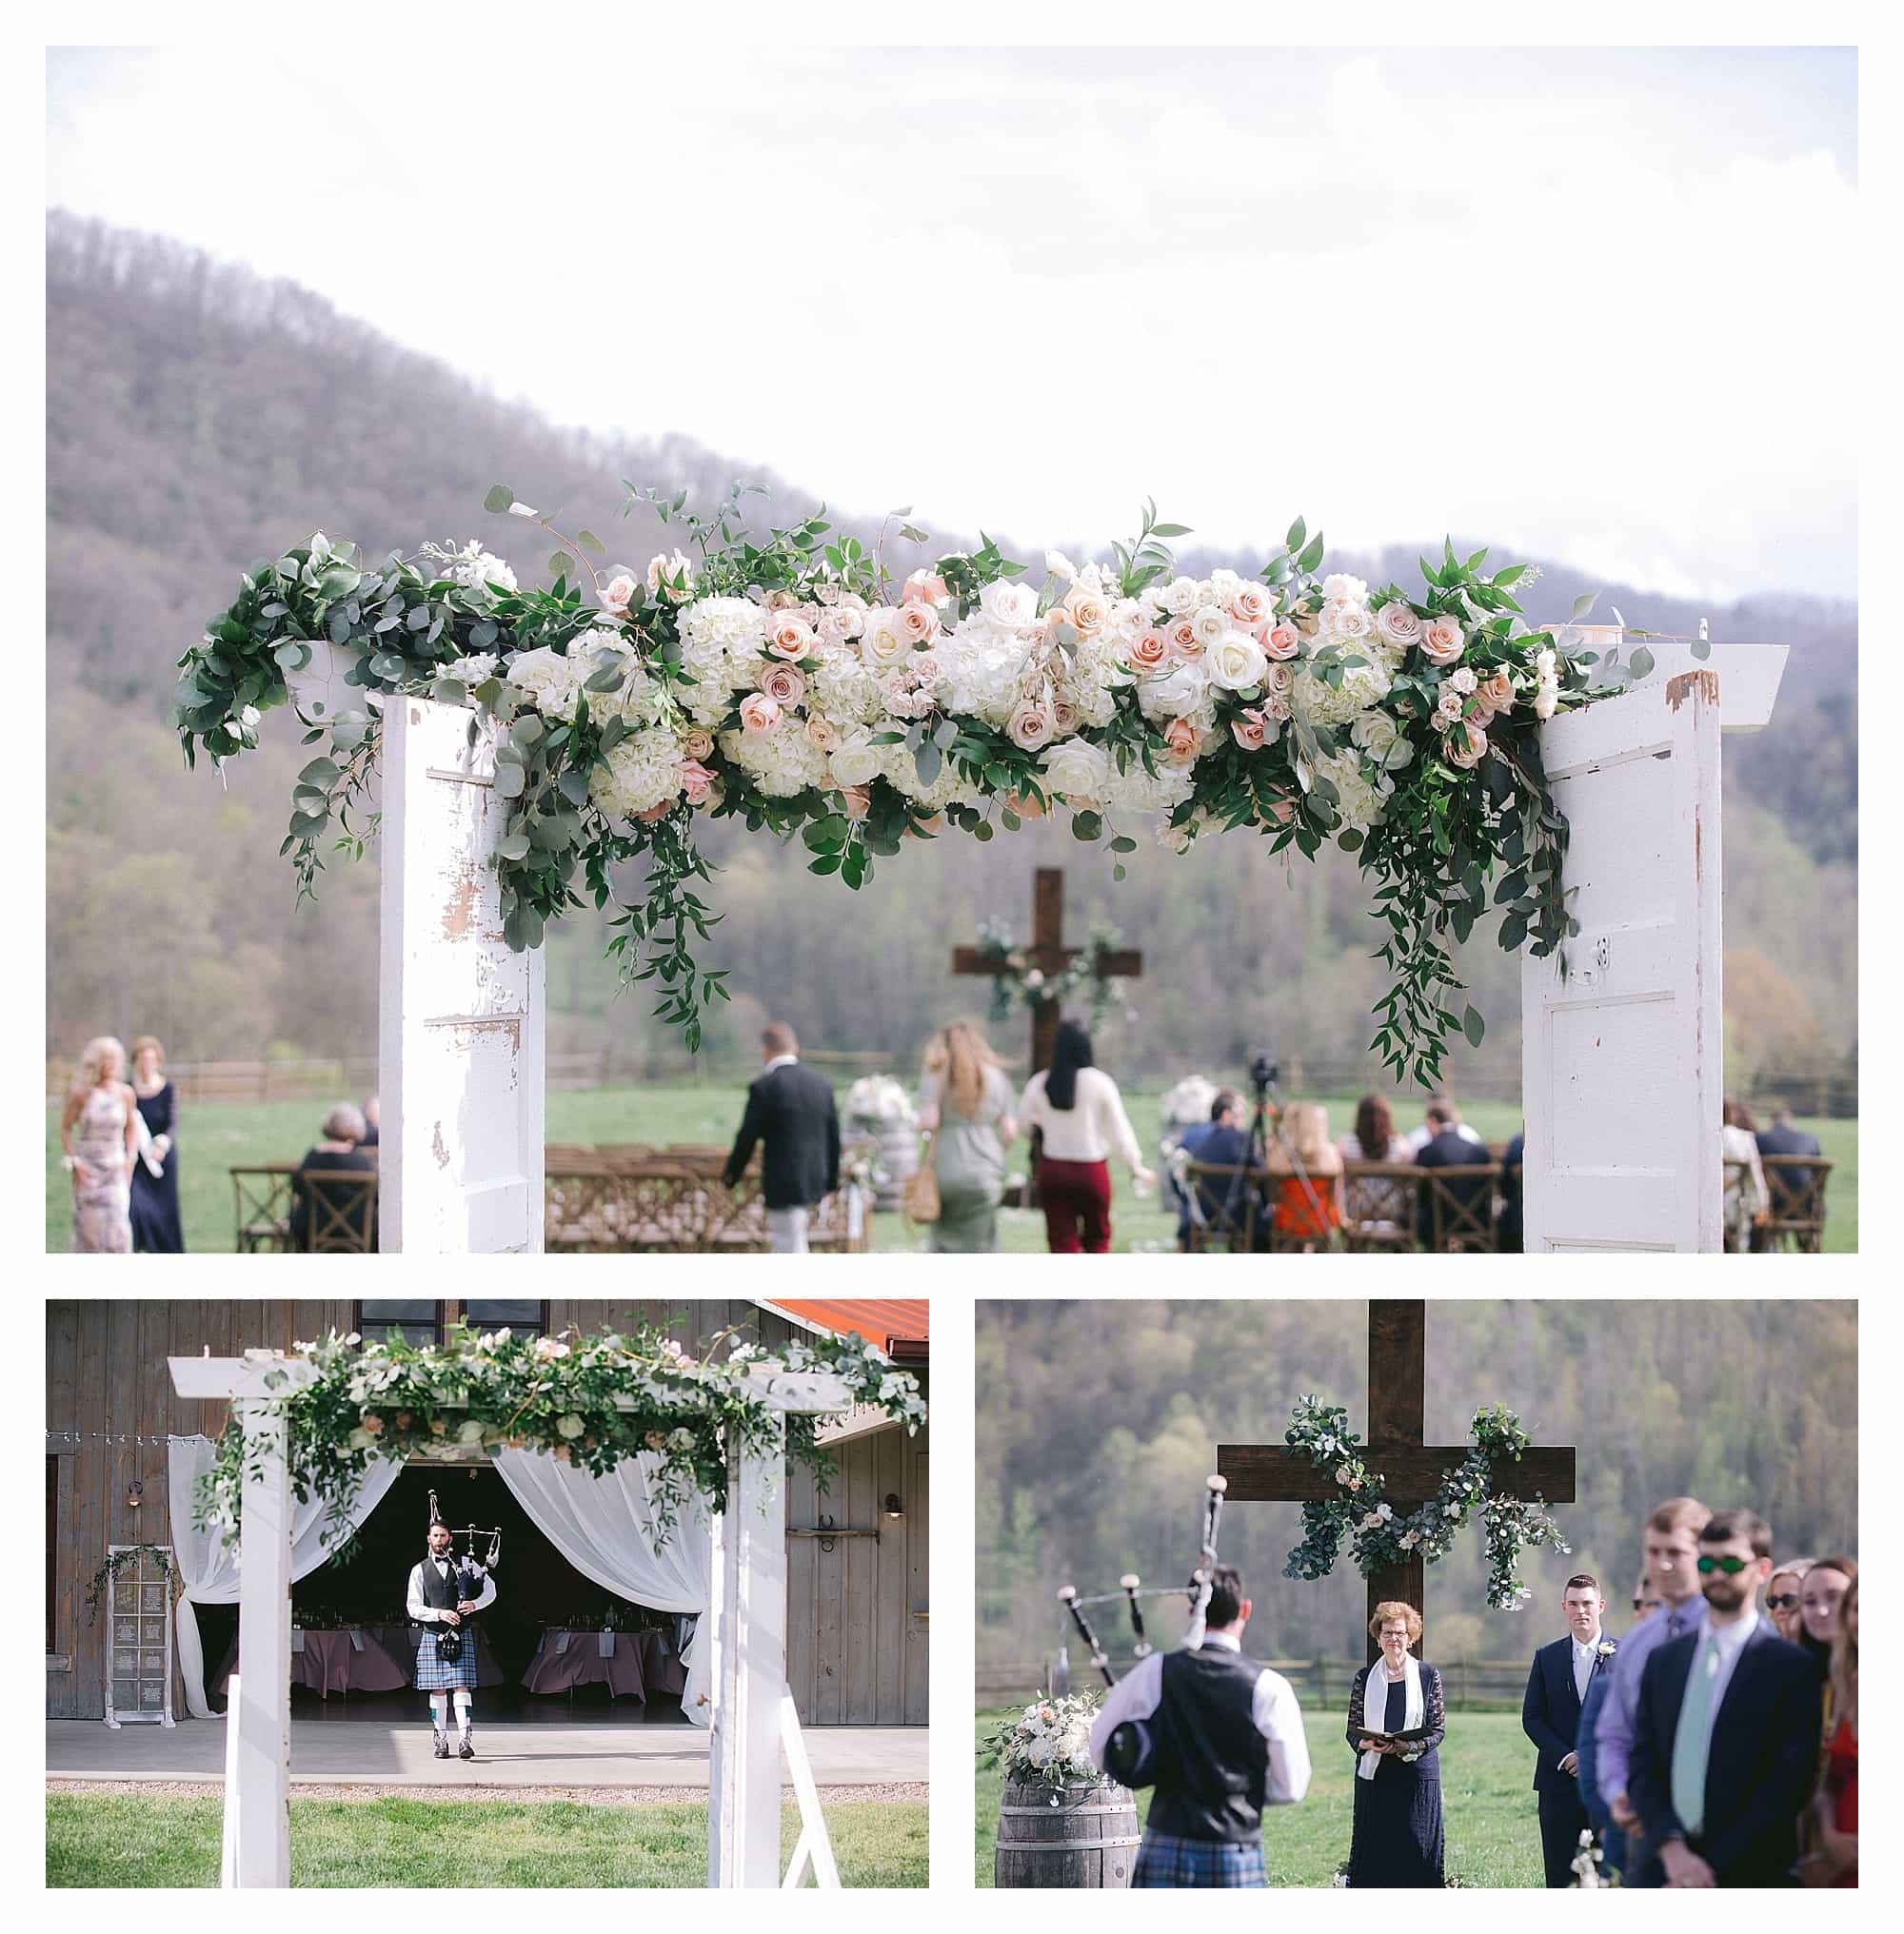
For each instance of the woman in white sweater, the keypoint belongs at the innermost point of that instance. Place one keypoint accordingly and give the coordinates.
(1079, 1114)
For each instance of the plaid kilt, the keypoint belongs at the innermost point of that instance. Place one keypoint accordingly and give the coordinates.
(1163, 1861)
(434, 1674)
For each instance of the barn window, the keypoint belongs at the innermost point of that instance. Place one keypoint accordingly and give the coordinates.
(526, 1318)
(416, 1323)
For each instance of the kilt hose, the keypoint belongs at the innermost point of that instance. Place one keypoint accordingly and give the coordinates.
(436, 1675)
(1164, 1861)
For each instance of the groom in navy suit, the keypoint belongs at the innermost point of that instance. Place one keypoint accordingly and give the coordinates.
(1725, 1736)
(1550, 1716)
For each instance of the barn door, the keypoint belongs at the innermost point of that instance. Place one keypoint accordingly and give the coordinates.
(461, 1018)
(1622, 1059)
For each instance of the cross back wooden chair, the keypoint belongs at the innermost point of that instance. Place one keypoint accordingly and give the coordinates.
(1461, 1215)
(340, 1212)
(1221, 1221)
(1797, 1186)
(1378, 1206)
(261, 1201)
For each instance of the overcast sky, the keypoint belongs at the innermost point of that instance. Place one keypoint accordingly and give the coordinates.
(1585, 304)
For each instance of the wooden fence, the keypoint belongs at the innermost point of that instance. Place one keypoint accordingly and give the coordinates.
(1472, 1685)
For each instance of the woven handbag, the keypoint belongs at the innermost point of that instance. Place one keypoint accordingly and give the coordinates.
(919, 1195)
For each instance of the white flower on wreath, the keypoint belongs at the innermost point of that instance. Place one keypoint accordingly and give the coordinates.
(547, 1350)
(472, 669)
(479, 572)
(548, 680)
(1078, 771)
(1237, 661)
(569, 1427)
(1060, 566)
(1008, 606)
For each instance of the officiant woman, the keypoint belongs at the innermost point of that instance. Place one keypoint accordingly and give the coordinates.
(1398, 1839)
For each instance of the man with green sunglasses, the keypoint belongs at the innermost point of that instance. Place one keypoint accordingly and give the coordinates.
(1726, 1732)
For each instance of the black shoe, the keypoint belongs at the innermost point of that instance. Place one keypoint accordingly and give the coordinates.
(465, 1751)
(442, 1746)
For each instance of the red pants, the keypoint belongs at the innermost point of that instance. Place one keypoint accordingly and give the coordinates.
(1077, 1200)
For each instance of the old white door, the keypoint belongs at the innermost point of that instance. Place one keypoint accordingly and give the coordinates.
(1622, 1059)
(462, 1019)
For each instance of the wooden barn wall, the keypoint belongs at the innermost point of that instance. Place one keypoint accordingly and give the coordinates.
(857, 1645)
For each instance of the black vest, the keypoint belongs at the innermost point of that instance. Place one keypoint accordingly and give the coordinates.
(441, 1594)
(1212, 1762)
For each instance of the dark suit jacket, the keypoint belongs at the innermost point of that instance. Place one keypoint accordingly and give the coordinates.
(791, 1111)
(1787, 1142)
(1550, 1714)
(1509, 1227)
(1762, 1767)
(1449, 1150)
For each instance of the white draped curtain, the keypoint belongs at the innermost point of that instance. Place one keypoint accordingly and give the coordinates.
(604, 1528)
(207, 1568)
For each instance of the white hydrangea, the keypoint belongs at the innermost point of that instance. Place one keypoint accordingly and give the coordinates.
(640, 773)
(784, 761)
(1360, 799)
(548, 680)
(1137, 791)
(841, 687)
(1183, 692)
(980, 669)
(721, 639)
(472, 669)
(1363, 686)
(639, 700)
(479, 572)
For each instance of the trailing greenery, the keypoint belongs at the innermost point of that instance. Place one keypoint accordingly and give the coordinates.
(96, 1586)
(591, 1402)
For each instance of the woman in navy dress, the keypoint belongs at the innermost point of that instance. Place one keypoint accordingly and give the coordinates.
(1397, 1838)
(156, 1227)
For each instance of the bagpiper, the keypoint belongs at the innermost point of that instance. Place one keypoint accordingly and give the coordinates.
(445, 1591)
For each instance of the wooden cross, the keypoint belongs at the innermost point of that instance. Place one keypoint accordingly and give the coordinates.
(1411, 1470)
(1050, 955)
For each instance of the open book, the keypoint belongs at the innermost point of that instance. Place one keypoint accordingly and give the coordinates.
(1366, 1764)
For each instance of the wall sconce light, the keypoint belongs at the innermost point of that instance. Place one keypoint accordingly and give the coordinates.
(893, 1507)
(135, 1492)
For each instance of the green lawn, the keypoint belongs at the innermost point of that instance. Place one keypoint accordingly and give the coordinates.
(1487, 1774)
(100, 1840)
(216, 1135)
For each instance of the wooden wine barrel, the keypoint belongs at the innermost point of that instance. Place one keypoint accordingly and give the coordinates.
(1088, 1839)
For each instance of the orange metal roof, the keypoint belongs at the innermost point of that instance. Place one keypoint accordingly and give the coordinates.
(899, 1328)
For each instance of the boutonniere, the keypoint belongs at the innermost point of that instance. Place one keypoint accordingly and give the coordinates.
(1605, 1650)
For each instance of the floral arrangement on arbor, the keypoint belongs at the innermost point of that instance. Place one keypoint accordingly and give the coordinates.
(791, 681)
(1048, 1743)
(1017, 983)
(591, 1402)
(1380, 1536)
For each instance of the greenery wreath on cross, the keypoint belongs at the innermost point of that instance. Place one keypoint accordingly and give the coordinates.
(793, 682)
(564, 1395)
(1017, 983)
(1380, 1537)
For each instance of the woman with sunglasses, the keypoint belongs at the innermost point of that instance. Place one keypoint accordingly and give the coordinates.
(1781, 1598)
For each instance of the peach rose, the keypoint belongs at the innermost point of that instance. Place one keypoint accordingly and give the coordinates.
(1248, 605)
(1022, 807)
(1183, 640)
(1247, 731)
(926, 587)
(759, 713)
(1283, 811)
(1183, 740)
(791, 637)
(855, 801)
(1465, 746)
(1497, 689)
(781, 601)
(919, 622)
(1441, 640)
(1085, 611)
(697, 744)
(656, 813)
(838, 625)
(1283, 639)
(782, 684)
(923, 829)
(695, 781)
(822, 733)
(672, 574)
(1029, 725)
(1063, 716)
(1149, 652)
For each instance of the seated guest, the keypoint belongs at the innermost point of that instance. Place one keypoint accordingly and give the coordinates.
(372, 1117)
(1784, 1138)
(1435, 1116)
(1747, 1204)
(1782, 1599)
(341, 1148)
(1222, 1142)
(1833, 1860)
(1378, 1201)
(1789, 1191)
(1508, 1230)
(1305, 1171)
(1450, 1147)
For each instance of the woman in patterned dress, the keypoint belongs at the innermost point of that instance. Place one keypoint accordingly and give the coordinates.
(1397, 1837)
(99, 1132)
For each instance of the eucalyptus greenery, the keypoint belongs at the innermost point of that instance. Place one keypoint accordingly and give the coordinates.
(1451, 842)
(1380, 1536)
(588, 1402)
(116, 1563)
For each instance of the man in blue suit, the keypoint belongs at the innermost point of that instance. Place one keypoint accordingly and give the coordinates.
(1550, 1716)
(1222, 1142)
(1725, 1746)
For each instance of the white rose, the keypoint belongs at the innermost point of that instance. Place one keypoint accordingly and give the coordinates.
(1182, 596)
(1375, 732)
(884, 644)
(1077, 770)
(1236, 663)
(1346, 620)
(855, 761)
(1463, 679)
(1060, 566)
(1008, 606)
(1209, 622)
(1339, 588)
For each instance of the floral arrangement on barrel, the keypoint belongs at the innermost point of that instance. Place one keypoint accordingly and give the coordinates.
(793, 682)
(1047, 1744)
(1017, 983)
(1380, 1536)
(877, 1102)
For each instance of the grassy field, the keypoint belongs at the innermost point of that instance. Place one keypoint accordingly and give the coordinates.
(1487, 1772)
(100, 1840)
(215, 1137)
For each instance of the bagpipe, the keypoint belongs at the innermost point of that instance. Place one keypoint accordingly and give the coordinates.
(470, 1572)
(1130, 1753)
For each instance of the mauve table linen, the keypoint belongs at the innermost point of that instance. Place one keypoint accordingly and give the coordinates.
(631, 1665)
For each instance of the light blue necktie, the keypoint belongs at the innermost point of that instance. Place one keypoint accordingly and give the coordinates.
(1694, 1738)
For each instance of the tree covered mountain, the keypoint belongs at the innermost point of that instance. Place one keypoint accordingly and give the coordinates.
(199, 417)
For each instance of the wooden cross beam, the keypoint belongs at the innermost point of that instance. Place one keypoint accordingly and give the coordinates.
(1411, 1470)
(1050, 955)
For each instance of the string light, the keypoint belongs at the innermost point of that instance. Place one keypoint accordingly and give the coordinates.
(128, 1437)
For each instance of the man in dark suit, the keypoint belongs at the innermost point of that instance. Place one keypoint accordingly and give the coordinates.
(1550, 1716)
(1784, 1139)
(790, 1109)
(1725, 1747)
(1449, 1146)
(1793, 1190)
(1221, 1142)
(1510, 1231)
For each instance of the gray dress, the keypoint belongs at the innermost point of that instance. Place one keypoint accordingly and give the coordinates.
(969, 1160)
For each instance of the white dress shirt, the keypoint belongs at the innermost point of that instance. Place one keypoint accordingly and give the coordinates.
(427, 1613)
(781, 1061)
(1273, 1708)
(1585, 1656)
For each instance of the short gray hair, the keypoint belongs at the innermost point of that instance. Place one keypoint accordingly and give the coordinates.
(344, 1123)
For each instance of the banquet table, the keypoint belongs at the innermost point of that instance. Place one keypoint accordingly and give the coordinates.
(633, 1665)
(349, 1659)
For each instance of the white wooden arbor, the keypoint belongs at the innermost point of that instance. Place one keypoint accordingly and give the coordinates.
(1622, 1061)
(745, 1627)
